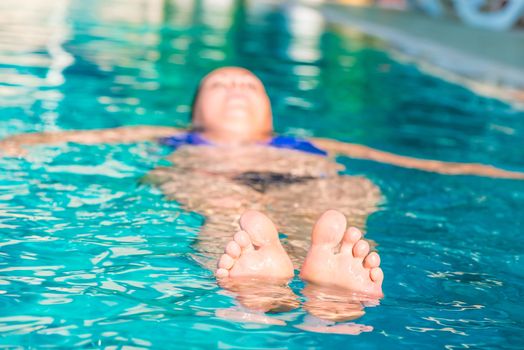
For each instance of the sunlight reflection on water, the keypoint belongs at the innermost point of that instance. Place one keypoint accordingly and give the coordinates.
(90, 257)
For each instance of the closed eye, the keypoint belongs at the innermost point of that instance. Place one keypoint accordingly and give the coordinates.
(217, 84)
(251, 84)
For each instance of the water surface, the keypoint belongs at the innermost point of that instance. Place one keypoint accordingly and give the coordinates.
(91, 258)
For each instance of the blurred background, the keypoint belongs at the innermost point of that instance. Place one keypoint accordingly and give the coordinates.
(481, 39)
(492, 14)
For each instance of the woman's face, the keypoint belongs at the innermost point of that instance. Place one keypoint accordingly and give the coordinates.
(232, 105)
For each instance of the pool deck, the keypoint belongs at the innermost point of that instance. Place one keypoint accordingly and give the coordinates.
(490, 62)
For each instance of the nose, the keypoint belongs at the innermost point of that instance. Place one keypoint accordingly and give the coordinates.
(236, 87)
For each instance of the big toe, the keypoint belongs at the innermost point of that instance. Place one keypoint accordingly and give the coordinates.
(329, 229)
(260, 228)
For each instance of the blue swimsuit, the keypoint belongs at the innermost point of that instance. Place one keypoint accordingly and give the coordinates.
(288, 142)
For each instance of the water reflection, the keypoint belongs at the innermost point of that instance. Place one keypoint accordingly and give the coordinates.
(329, 310)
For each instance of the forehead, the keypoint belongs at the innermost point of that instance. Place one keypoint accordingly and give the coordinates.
(226, 74)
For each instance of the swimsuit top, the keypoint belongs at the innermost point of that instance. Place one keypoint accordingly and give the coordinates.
(288, 142)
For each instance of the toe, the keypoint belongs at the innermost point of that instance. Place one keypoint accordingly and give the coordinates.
(329, 229)
(372, 260)
(260, 228)
(351, 236)
(361, 249)
(233, 249)
(377, 275)
(226, 262)
(221, 273)
(243, 240)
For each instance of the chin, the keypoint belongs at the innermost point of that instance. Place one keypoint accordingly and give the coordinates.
(240, 130)
(238, 122)
(239, 114)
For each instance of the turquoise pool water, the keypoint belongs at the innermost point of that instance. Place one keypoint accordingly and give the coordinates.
(90, 258)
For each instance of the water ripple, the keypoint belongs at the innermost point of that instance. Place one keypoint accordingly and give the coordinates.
(91, 258)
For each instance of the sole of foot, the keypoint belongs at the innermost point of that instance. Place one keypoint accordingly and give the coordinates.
(256, 267)
(340, 258)
(255, 251)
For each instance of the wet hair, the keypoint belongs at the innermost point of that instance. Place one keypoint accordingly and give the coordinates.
(193, 104)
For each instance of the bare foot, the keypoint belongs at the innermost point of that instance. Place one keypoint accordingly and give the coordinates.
(255, 252)
(256, 267)
(341, 259)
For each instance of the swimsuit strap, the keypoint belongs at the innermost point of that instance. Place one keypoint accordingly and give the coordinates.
(298, 144)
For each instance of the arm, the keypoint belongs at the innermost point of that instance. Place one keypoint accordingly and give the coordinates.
(14, 145)
(450, 168)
